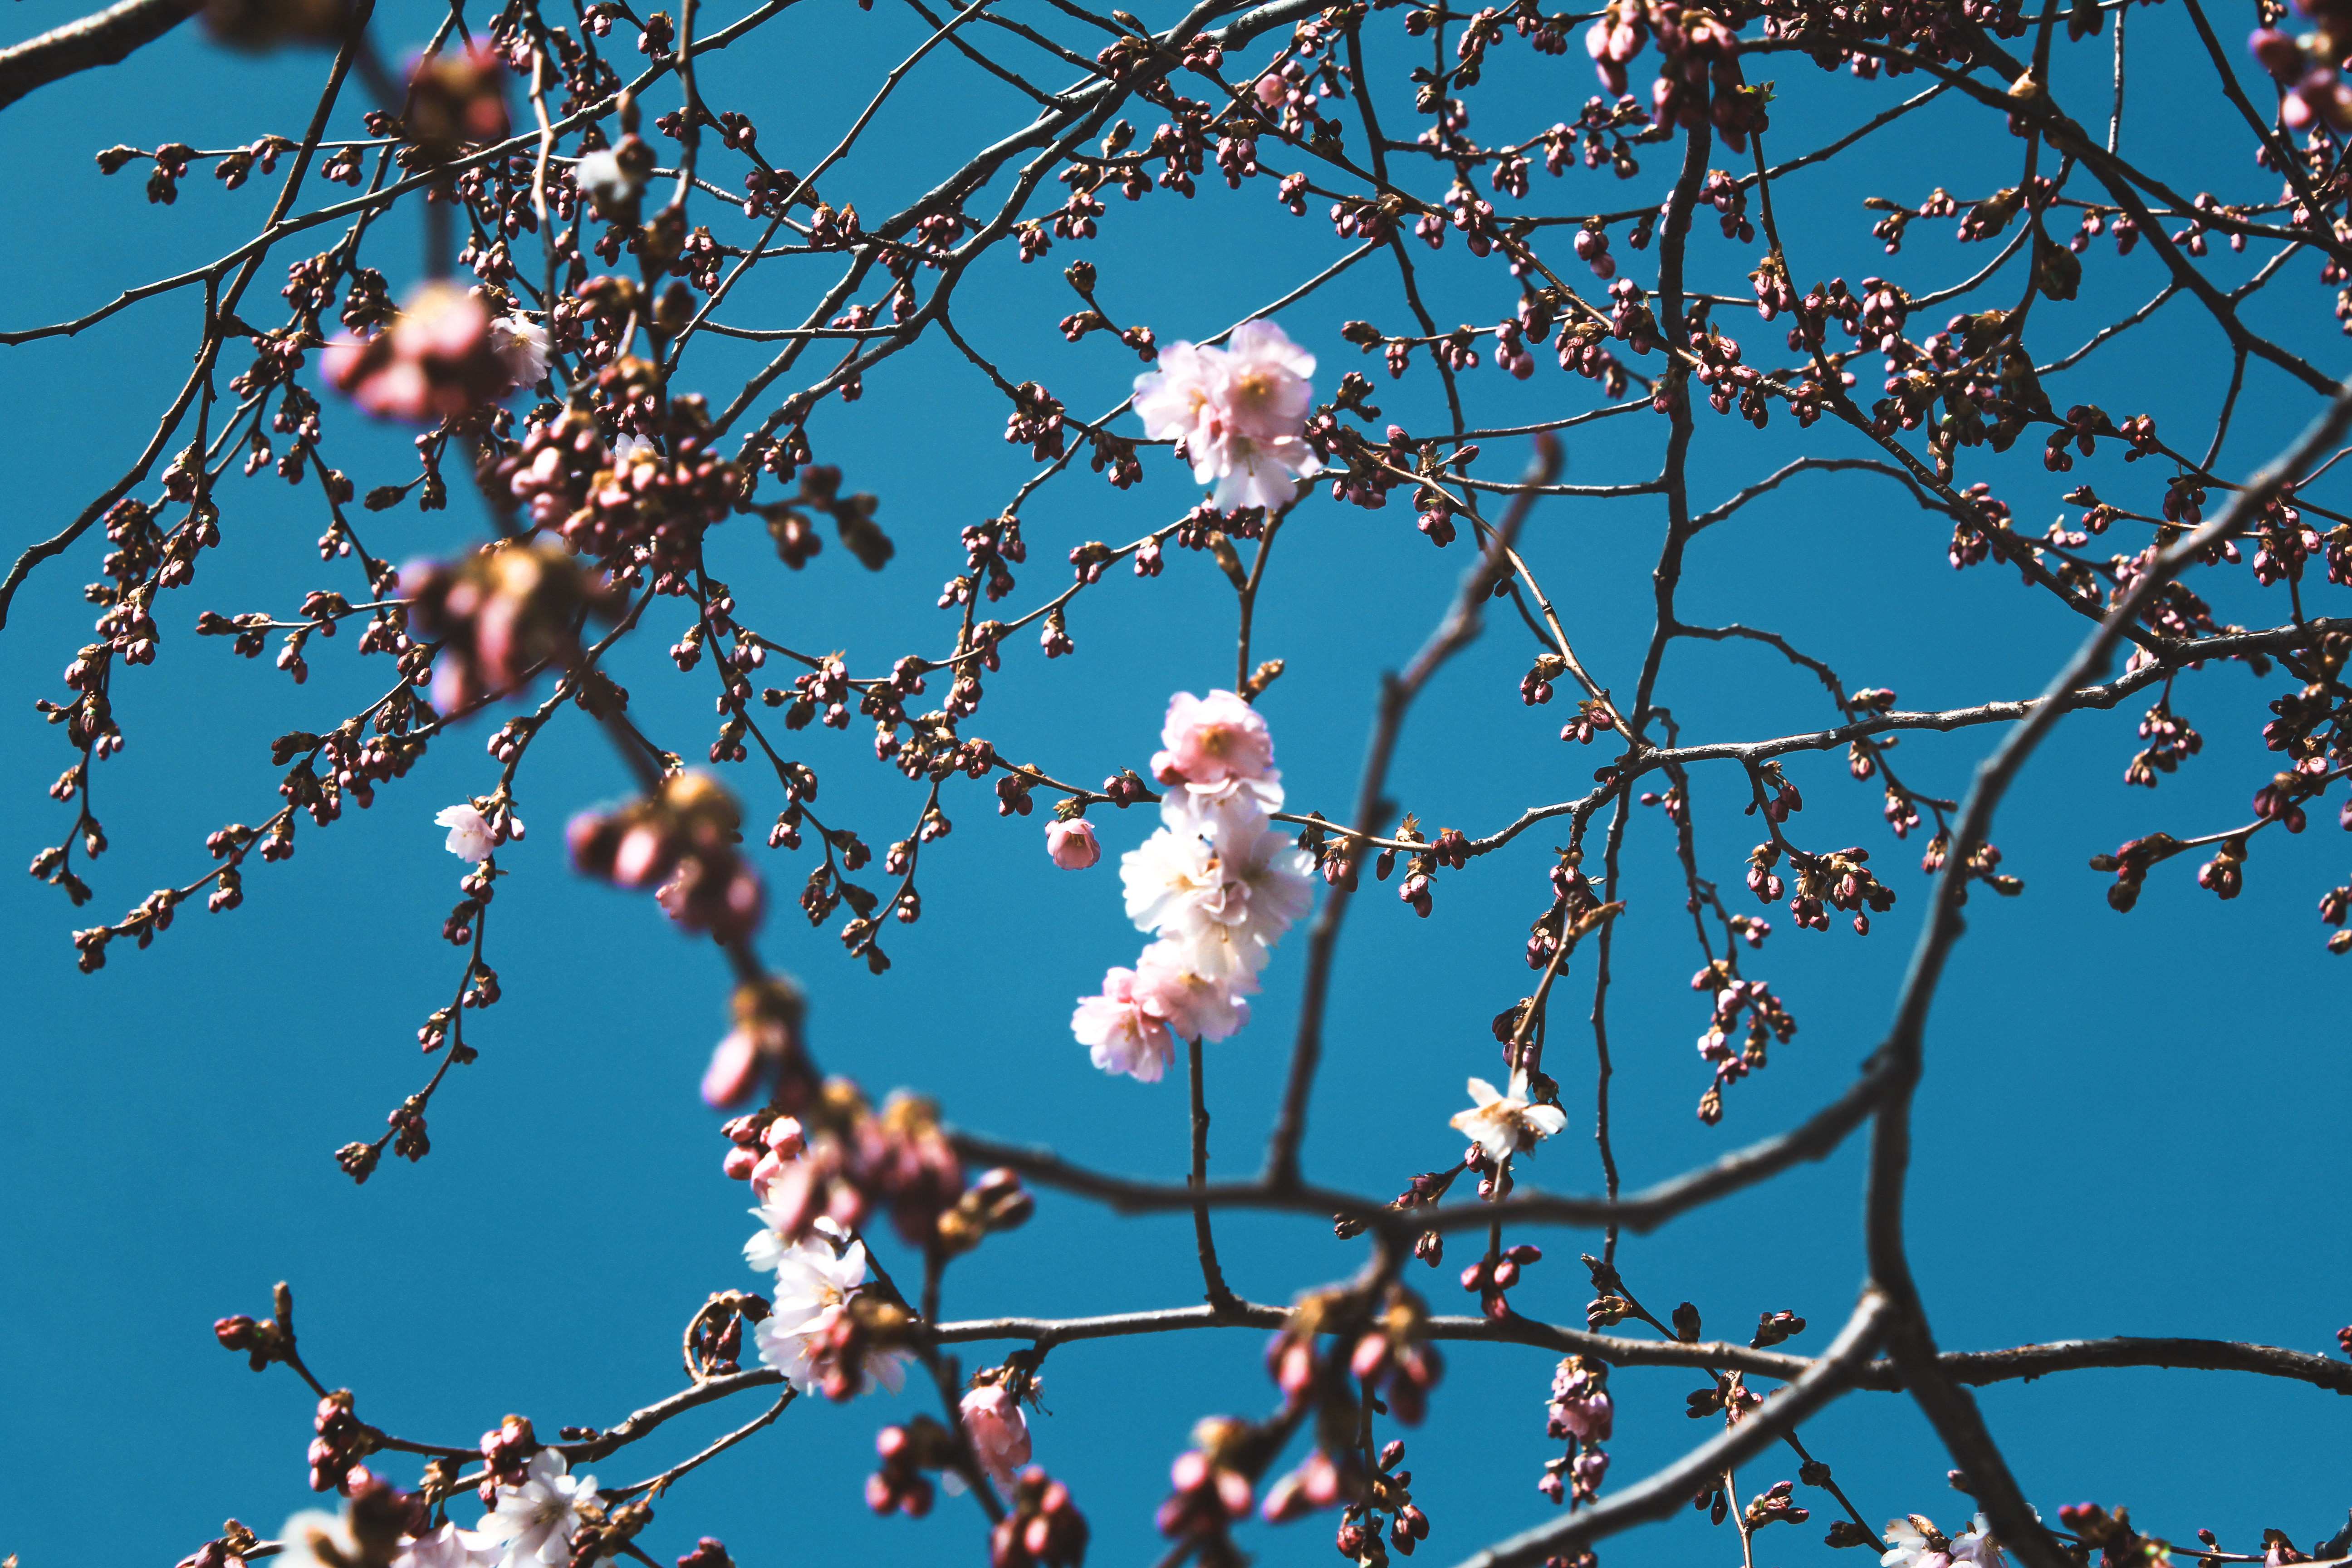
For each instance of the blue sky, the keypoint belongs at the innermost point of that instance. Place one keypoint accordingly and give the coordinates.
(2125, 1126)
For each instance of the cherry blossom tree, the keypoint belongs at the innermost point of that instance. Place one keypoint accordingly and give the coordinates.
(598, 224)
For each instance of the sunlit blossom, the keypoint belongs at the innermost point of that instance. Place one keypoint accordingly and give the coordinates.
(815, 1278)
(1240, 411)
(1500, 1123)
(534, 1522)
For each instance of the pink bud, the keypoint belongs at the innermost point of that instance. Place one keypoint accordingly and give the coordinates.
(1072, 845)
(641, 859)
(734, 1068)
(738, 1164)
(786, 1137)
(2279, 54)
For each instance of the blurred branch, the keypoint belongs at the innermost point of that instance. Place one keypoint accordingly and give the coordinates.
(103, 38)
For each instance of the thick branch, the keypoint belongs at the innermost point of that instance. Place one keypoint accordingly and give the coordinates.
(104, 38)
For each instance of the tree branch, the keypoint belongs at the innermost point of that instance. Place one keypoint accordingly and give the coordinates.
(103, 38)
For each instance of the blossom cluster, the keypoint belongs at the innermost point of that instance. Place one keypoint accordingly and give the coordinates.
(1215, 883)
(1237, 414)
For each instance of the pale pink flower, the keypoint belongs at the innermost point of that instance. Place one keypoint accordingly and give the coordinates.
(470, 835)
(1500, 1123)
(521, 343)
(1272, 89)
(1194, 1008)
(1239, 412)
(1073, 845)
(734, 1067)
(999, 1431)
(1123, 1030)
(1217, 750)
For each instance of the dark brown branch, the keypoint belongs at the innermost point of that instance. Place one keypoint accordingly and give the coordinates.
(1645, 1210)
(104, 38)
(1213, 1277)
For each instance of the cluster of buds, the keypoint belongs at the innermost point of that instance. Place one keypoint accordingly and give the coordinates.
(1699, 79)
(1393, 1355)
(679, 840)
(551, 475)
(506, 1449)
(648, 508)
(1213, 1489)
(1581, 1407)
(499, 616)
(455, 100)
(343, 1440)
(1489, 1277)
(853, 520)
(996, 1202)
(228, 1550)
(2130, 863)
(2119, 1544)
(2306, 67)
(1043, 1528)
(1838, 879)
(1391, 1492)
(271, 1338)
(1767, 1020)
(714, 1340)
(900, 1486)
(851, 1161)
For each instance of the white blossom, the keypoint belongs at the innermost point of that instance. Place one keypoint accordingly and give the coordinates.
(813, 1284)
(1219, 894)
(600, 174)
(448, 1547)
(316, 1539)
(470, 835)
(1978, 1547)
(1500, 1123)
(522, 344)
(534, 1522)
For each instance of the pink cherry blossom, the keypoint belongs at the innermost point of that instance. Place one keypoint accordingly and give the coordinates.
(1193, 1005)
(999, 1431)
(1124, 1031)
(734, 1068)
(1217, 748)
(1073, 845)
(1240, 413)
